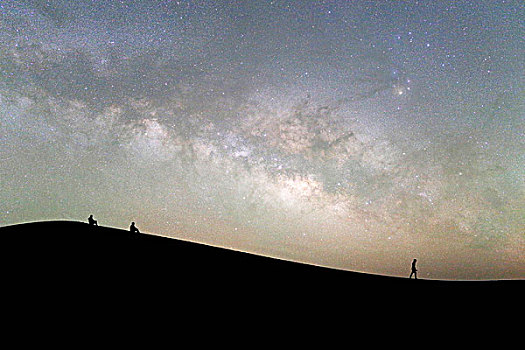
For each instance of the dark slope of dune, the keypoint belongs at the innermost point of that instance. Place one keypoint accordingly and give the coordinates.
(71, 264)
(76, 251)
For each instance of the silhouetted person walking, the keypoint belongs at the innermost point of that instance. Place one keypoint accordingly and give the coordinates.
(414, 270)
(133, 228)
(92, 221)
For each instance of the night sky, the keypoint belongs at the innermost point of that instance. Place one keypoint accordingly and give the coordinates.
(352, 134)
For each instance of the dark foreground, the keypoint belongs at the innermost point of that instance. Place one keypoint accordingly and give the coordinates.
(72, 265)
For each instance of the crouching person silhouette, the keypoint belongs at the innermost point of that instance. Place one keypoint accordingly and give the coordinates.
(133, 228)
(92, 221)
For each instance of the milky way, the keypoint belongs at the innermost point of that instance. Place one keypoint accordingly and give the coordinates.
(352, 134)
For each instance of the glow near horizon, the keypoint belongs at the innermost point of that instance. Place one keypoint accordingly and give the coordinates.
(354, 135)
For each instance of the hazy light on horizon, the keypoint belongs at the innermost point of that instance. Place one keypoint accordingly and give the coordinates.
(357, 135)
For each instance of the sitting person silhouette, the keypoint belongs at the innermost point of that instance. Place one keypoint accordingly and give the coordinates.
(414, 270)
(133, 228)
(92, 221)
